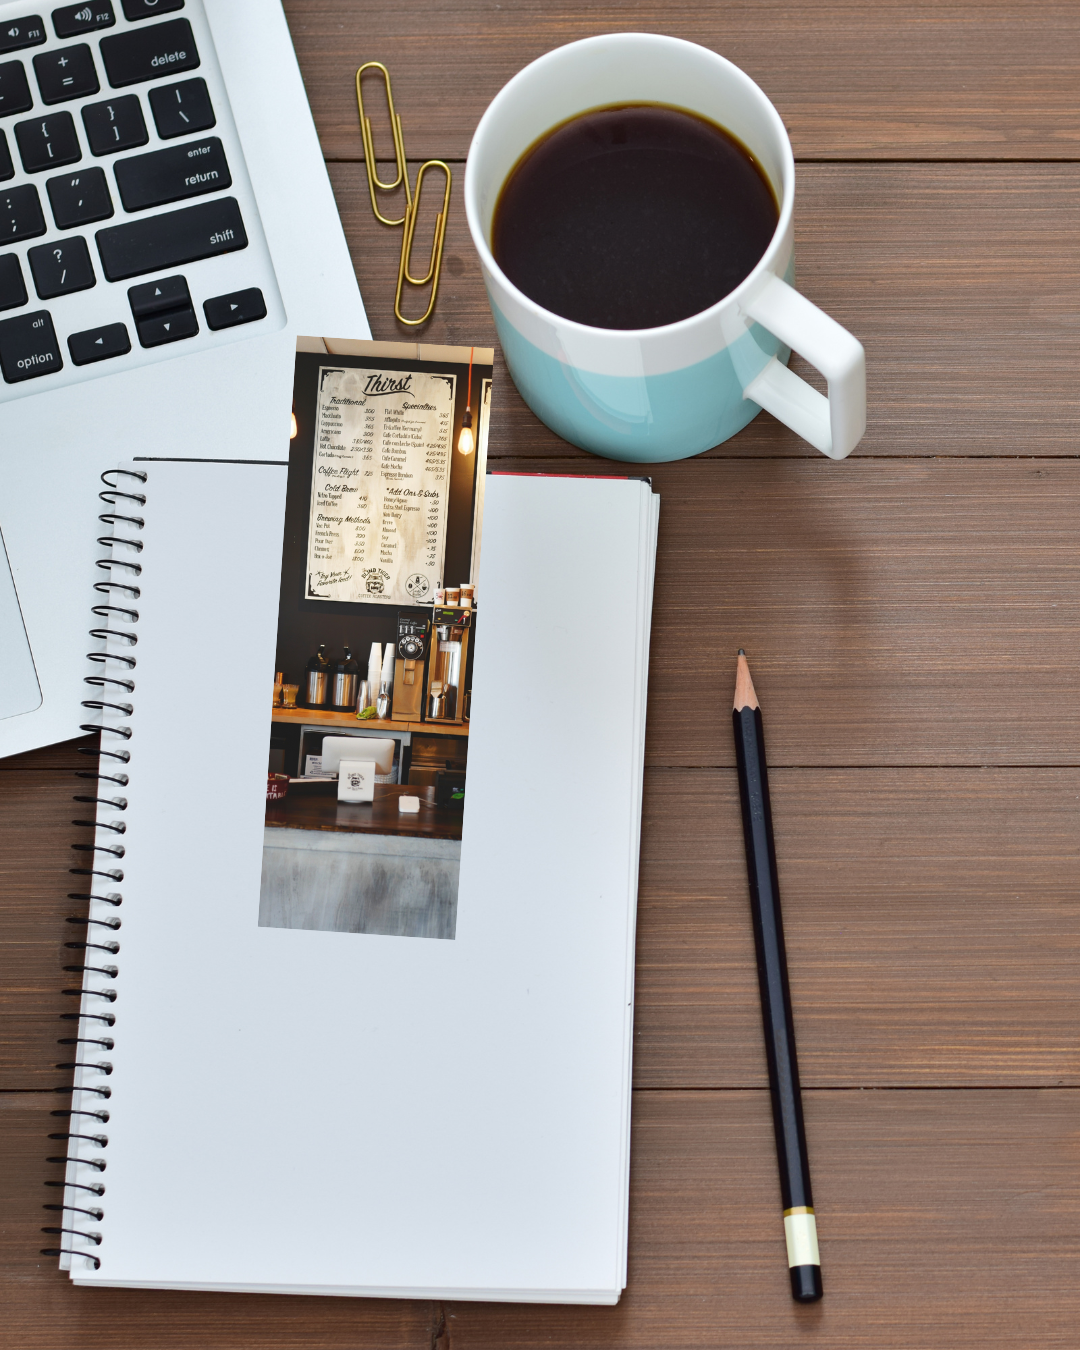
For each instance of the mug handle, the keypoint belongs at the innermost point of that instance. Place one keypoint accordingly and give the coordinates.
(833, 425)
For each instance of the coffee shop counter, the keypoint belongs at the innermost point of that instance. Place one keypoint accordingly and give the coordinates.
(314, 806)
(317, 717)
(360, 867)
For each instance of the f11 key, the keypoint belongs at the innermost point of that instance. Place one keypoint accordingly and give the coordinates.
(17, 33)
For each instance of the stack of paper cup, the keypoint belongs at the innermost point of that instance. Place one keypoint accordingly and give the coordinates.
(374, 670)
(388, 668)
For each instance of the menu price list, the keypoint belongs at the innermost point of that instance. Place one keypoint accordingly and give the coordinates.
(380, 485)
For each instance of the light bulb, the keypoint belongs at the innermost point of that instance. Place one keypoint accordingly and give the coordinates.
(466, 441)
(292, 433)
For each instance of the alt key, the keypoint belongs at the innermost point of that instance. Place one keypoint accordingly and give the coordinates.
(98, 344)
(226, 311)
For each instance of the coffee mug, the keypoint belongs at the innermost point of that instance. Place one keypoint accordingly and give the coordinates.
(654, 394)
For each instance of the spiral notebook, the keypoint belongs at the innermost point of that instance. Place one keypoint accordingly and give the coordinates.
(271, 1099)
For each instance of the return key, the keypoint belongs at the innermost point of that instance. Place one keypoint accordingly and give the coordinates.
(171, 175)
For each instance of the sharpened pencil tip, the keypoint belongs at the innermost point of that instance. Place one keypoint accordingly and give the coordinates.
(744, 685)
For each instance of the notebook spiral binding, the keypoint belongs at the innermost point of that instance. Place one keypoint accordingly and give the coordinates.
(112, 684)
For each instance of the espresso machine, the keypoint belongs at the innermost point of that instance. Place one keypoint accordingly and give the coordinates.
(412, 645)
(450, 633)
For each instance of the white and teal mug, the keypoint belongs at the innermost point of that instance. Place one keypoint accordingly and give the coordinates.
(663, 393)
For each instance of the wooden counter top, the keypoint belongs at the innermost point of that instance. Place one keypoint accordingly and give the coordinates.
(316, 807)
(316, 717)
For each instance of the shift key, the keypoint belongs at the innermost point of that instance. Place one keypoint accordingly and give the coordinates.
(171, 239)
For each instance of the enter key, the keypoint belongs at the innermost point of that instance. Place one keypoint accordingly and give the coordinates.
(172, 174)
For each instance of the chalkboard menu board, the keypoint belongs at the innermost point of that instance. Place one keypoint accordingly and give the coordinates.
(380, 484)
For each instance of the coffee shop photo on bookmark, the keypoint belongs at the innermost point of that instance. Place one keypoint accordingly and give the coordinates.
(377, 626)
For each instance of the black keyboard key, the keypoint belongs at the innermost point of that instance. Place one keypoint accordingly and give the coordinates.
(149, 53)
(75, 19)
(99, 344)
(115, 125)
(80, 197)
(17, 33)
(48, 142)
(226, 311)
(61, 267)
(174, 326)
(154, 297)
(182, 109)
(12, 287)
(15, 96)
(171, 239)
(28, 347)
(66, 74)
(7, 169)
(149, 9)
(21, 216)
(171, 175)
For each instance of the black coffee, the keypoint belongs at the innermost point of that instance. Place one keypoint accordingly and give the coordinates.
(633, 216)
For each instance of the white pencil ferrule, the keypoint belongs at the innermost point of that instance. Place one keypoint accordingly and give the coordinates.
(800, 1229)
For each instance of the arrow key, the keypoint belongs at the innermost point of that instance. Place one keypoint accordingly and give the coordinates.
(171, 326)
(98, 344)
(226, 311)
(153, 297)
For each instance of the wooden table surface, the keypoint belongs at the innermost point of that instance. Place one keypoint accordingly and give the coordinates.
(912, 619)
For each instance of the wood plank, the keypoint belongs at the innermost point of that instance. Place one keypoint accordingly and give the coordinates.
(895, 612)
(898, 79)
(946, 1218)
(63, 757)
(960, 280)
(932, 922)
(35, 855)
(932, 918)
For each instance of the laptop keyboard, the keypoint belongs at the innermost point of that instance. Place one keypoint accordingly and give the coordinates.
(100, 189)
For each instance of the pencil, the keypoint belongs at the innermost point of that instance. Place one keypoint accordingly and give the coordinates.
(800, 1226)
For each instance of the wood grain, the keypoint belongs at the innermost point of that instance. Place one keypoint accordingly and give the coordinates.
(899, 79)
(946, 1219)
(895, 612)
(932, 922)
(962, 282)
(932, 916)
(62, 757)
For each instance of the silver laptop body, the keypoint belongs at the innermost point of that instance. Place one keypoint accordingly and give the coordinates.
(221, 243)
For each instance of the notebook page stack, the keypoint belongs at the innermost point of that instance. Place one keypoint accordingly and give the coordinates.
(348, 1105)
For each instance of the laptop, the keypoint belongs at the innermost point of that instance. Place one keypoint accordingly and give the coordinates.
(167, 227)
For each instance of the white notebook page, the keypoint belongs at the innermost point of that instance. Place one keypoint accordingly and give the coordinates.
(348, 1113)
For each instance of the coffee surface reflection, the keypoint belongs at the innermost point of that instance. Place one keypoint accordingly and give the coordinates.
(633, 217)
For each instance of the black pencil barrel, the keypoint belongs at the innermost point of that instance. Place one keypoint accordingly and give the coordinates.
(776, 1015)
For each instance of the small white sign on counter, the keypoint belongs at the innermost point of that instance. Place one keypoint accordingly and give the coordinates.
(380, 485)
(356, 780)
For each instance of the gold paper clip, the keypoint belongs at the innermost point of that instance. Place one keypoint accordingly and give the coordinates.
(435, 261)
(375, 183)
(412, 199)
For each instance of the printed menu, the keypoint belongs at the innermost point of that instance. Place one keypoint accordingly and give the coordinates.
(380, 484)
